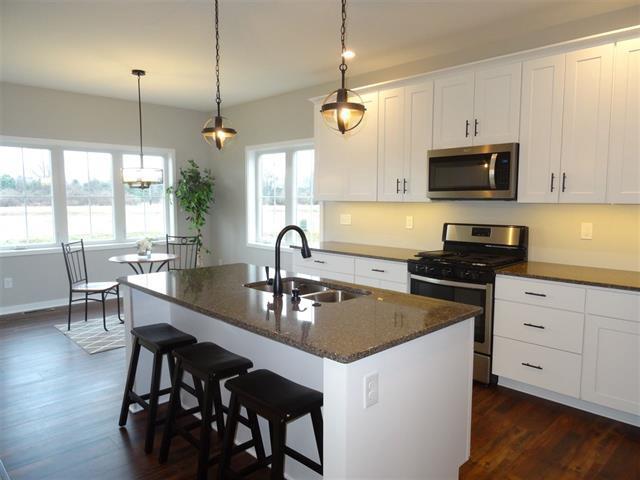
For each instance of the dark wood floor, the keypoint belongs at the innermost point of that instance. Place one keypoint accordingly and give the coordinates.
(59, 412)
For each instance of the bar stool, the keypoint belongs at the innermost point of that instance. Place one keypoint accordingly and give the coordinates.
(208, 364)
(160, 339)
(280, 401)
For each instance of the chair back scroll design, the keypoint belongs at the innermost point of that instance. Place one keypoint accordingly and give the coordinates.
(75, 261)
(187, 250)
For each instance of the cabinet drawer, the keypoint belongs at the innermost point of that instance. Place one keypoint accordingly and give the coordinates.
(327, 262)
(540, 366)
(545, 294)
(373, 282)
(381, 270)
(615, 304)
(540, 325)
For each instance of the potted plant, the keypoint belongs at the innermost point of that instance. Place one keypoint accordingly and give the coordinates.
(194, 192)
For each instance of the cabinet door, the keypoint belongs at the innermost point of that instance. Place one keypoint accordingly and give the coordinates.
(453, 111)
(624, 146)
(391, 149)
(497, 105)
(585, 125)
(541, 130)
(611, 363)
(347, 165)
(418, 135)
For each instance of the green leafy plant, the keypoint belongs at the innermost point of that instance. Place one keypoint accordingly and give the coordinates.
(194, 192)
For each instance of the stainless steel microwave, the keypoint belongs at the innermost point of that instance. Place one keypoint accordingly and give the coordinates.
(486, 172)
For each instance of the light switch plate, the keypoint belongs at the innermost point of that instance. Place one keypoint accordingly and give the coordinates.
(8, 282)
(586, 231)
(408, 223)
(345, 219)
(371, 389)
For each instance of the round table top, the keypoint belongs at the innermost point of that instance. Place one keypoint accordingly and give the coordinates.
(135, 258)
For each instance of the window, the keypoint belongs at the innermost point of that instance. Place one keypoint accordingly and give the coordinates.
(280, 192)
(26, 203)
(52, 191)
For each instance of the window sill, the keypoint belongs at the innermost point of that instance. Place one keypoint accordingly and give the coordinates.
(57, 249)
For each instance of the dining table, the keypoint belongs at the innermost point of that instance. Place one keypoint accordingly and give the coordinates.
(137, 262)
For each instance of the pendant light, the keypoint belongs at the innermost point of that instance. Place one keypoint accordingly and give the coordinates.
(343, 109)
(141, 177)
(216, 130)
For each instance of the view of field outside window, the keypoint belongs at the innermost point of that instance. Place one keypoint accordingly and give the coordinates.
(306, 211)
(144, 209)
(26, 204)
(271, 196)
(89, 186)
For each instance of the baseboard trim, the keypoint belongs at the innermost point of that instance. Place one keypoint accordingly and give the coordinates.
(45, 305)
(571, 402)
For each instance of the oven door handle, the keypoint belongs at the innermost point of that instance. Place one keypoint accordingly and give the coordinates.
(492, 171)
(449, 283)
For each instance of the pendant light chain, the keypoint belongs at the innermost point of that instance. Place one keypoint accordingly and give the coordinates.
(140, 119)
(343, 33)
(218, 99)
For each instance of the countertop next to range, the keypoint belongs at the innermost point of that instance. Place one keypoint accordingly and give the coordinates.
(597, 277)
(344, 332)
(362, 250)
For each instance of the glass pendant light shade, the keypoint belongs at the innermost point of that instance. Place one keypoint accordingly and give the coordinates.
(141, 177)
(343, 110)
(218, 132)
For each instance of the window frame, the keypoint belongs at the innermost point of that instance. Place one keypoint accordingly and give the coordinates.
(59, 195)
(252, 154)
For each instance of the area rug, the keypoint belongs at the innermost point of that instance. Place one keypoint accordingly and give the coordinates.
(92, 338)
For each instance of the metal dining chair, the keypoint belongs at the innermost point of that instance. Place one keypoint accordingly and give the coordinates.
(187, 250)
(76, 263)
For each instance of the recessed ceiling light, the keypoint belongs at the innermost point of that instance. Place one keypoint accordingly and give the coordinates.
(348, 54)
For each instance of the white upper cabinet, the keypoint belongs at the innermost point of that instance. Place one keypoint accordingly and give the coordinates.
(477, 108)
(391, 119)
(585, 126)
(346, 165)
(453, 111)
(418, 135)
(497, 105)
(541, 129)
(624, 145)
(404, 138)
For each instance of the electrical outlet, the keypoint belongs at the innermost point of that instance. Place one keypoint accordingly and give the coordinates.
(345, 219)
(8, 282)
(371, 390)
(586, 231)
(408, 223)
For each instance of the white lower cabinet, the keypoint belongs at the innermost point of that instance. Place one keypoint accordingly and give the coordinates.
(582, 342)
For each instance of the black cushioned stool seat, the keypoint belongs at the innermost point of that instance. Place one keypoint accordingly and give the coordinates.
(280, 401)
(208, 364)
(160, 339)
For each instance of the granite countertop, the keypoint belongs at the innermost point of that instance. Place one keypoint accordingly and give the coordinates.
(369, 251)
(344, 332)
(598, 277)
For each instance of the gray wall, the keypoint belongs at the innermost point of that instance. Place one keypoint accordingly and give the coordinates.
(290, 116)
(51, 114)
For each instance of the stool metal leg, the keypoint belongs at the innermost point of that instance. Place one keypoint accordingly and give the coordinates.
(316, 419)
(279, 436)
(131, 376)
(205, 431)
(229, 436)
(174, 403)
(153, 402)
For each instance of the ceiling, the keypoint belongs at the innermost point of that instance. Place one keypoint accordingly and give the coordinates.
(268, 46)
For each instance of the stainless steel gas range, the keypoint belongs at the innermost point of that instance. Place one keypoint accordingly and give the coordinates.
(464, 271)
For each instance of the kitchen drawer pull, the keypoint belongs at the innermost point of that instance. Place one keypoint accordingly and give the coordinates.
(541, 327)
(537, 367)
(397, 185)
(536, 294)
(377, 270)
(475, 127)
(466, 128)
(319, 261)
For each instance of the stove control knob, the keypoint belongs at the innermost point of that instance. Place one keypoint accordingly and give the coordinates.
(446, 272)
(432, 270)
(468, 274)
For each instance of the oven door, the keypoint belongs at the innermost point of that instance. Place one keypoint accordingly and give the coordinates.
(469, 293)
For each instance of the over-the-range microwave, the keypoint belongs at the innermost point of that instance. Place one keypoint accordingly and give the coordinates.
(485, 172)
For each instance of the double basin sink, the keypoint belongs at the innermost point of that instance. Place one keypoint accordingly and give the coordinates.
(316, 291)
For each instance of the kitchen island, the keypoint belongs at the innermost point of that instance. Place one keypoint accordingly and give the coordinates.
(419, 349)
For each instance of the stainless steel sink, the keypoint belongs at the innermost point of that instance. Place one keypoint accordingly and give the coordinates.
(315, 291)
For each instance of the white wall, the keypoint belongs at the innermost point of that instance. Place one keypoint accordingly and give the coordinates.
(51, 114)
(554, 236)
